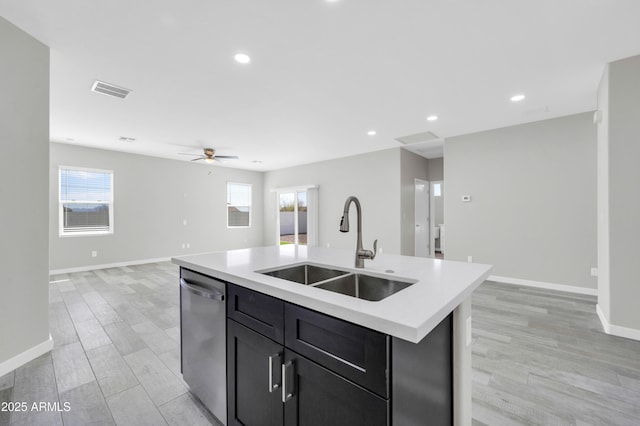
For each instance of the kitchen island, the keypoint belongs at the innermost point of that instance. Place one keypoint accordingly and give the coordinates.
(435, 302)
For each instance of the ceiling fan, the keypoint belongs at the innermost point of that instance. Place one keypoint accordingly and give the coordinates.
(210, 156)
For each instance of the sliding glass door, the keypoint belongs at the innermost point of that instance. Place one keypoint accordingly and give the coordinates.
(292, 214)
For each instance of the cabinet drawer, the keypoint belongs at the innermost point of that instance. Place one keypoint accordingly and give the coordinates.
(257, 311)
(356, 353)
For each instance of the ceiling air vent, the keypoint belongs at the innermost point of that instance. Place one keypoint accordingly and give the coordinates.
(418, 138)
(110, 89)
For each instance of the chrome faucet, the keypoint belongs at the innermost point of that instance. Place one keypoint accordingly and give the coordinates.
(361, 254)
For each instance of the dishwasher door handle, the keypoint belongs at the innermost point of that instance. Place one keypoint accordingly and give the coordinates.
(201, 291)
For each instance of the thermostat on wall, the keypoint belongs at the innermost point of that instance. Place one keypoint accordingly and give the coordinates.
(466, 198)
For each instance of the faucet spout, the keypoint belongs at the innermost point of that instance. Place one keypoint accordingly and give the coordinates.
(361, 254)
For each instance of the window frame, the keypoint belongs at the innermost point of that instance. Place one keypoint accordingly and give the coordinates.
(61, 232)
(250, 206)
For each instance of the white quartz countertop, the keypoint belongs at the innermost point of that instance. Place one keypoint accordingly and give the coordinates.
(409, 314)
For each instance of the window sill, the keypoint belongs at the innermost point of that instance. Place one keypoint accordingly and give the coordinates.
(85, 234)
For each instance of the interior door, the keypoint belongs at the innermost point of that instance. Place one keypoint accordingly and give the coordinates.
(422, 229)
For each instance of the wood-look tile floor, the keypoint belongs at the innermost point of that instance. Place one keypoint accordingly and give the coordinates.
(539, 357)
(116, 358)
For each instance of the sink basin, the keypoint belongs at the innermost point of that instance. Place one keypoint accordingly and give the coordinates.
(305, 274)
(355, 284)
(365, 287)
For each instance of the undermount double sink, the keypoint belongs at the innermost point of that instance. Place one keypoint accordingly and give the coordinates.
(355, 284)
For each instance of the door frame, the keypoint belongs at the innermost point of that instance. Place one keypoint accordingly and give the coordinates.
(427, 185)
(432, 213)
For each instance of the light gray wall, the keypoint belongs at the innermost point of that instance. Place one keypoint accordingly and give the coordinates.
(152, 197)
(412, 166)
(436, 169)
(374, 178)
(24, 156)
(533, 209)
(603, 196)
(624, 192)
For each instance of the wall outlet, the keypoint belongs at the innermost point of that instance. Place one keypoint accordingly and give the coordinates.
(94, 253)
(468, 330)
(594, 272)
(466, 198)
(470, 259)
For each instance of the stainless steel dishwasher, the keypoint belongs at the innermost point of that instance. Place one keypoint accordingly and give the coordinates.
(203, 340)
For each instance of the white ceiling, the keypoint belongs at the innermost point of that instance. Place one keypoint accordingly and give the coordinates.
(322, 73)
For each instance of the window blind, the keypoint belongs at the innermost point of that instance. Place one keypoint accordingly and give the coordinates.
(86, 201)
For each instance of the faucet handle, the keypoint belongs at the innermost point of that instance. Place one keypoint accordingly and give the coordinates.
(368, 254)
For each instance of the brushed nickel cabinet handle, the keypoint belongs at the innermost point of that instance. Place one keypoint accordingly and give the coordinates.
(276, 357)
(287, 389)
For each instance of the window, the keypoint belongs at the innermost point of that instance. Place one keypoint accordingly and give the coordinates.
(437, 190)
(238, 205)
(86, 201)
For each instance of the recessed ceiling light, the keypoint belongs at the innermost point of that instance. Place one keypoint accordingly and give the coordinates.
(257, 161)
(242, 58)
(371, 132)
(432, 118)
(517, 98)
(127, 139)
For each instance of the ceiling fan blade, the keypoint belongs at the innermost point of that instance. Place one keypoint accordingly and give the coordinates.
(189, 153)
(196, 159)
(228, 157)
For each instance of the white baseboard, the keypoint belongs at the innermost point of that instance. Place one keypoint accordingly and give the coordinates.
(22, 358)
(107, 265)
(545, 285)
(603, 319)
(616, 330)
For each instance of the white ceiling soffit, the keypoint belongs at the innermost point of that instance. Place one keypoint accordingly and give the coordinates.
(322, 74)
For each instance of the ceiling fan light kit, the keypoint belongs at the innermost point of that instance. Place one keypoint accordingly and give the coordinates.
(209, 156)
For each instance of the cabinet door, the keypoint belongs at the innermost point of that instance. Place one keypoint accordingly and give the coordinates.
(316, 396)
(253, 378)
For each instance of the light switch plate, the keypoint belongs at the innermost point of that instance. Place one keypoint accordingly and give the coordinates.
(466, 198)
